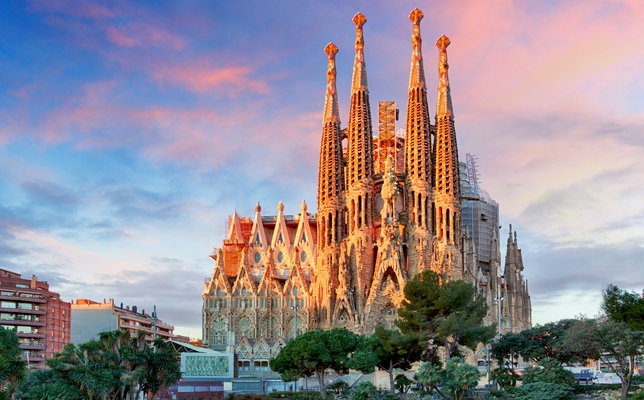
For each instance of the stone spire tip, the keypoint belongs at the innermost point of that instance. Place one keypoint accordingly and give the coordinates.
(359, 81)
(331, 109)
(444, 103)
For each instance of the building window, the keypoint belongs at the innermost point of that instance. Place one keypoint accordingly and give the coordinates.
(243, 365)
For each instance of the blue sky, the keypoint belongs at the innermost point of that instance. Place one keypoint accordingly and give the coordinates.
(130, 131)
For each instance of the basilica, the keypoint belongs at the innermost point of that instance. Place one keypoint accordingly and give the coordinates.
(388, 207)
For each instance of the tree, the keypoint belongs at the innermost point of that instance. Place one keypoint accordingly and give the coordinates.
(47, 384)
(538, 343)
(315, 352)
(13, 369)
(117, 366)
(457, 378)
(548, 370)
(450, 313)
(507, 348)
(386, 349)
(161, 368)
(622, 306)
(615, 343)
(402, 383)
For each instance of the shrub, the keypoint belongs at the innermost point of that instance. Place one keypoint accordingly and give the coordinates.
(363, 391)
(549, 370)
(544, 391)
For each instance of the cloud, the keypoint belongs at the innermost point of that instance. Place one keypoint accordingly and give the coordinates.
(143, 35)
(576, 276)
(203, 78)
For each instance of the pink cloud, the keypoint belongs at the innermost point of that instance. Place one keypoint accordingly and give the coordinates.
(200, 77)
(80, 8)
(143, 35)
(519, 59)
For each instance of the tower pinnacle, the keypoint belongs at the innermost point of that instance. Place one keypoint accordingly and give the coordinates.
(331, 113)
(359, 81)
(444, 102)
(417, 77)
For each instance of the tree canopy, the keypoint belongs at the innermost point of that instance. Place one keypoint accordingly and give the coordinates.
(622, 306)
(315, 352)
(450, 313)
(538, 343)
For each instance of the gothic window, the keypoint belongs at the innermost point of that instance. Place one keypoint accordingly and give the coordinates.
(280, 238)
(257, 239)
(219, 331)
(303, 237)
(243, 292)
(219, 292)
(244, 328)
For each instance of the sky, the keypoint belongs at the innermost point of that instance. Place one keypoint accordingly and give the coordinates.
(130, 131)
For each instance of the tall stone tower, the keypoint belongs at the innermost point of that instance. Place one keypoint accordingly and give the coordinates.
(418, 163)
(331, 204)
(447, 258)
(360, 182)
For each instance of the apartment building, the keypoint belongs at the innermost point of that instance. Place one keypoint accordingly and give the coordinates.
(89, 318)
(41, 320)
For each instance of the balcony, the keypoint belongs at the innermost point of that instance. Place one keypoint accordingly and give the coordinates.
(36, 347)
(31, 334)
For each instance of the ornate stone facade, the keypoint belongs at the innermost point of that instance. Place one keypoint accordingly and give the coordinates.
(376, 227)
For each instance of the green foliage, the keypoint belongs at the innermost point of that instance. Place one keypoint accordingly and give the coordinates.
(615, 343)
(314, 352)
(386, 349)
(447, 312)
(402, 383)
(13, 369)
(47, 385)
(457, 378)
(537, 343)
(116, 366)
(623, 306)
(293, 395)
(548, 370)
(364, 391)
(505, 376)
(544, 391)
(338, 387)
(430, 375)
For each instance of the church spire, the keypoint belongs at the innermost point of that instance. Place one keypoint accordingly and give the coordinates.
(331, 113)
(360, 142)
(447, 190)
(444, 101)
(359, 81)
(418, 153)
(417, 76)
(330, 173)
